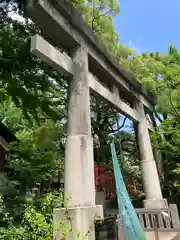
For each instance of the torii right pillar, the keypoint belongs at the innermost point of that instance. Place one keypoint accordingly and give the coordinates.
(151, 182)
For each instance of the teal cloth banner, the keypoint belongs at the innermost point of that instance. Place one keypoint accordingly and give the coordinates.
(132, 227)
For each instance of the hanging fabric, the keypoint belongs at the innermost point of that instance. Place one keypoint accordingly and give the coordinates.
(132, 227)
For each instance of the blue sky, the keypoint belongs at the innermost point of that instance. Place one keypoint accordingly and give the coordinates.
(149, 25)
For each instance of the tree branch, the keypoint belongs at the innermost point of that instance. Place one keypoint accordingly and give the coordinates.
(124, 121)
(119, 127)
(171, 102)
(112, 130)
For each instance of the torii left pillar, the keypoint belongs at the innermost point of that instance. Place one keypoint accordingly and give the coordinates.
(79, 163)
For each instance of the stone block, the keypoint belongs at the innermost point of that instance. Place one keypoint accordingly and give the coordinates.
(76, 220)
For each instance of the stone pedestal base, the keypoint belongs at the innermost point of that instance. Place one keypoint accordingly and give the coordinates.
(79, 171)
(152, 186)
(76, 220)
(155, 203)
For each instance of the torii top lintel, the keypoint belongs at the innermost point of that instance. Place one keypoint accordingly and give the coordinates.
(60, 22)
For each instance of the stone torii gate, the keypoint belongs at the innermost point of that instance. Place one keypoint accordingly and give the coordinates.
(87, 62)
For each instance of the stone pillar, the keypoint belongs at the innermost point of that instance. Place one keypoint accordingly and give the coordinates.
(79, 146)
(151, 181)
(79, 163)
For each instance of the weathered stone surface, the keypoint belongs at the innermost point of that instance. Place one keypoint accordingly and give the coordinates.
(163, 236)
(82, 221)
(79, 121)
(65, 27)
(77, 21)
(149, 169)
(79, 171)
(64, 65)
(61, 24)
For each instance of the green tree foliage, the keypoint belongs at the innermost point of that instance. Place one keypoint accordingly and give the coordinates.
(23, 77)
(36, 160)
(33, 98)
(30, 87)
(36, 222)
(160, 73)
